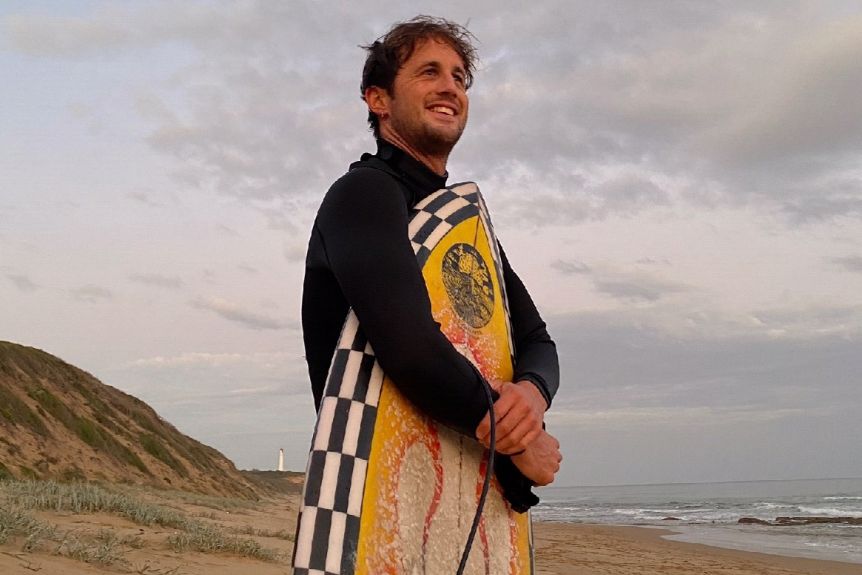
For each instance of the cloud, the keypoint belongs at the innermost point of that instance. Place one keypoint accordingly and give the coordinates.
(592, 112)
(625, 286)
(677, 416)
(255, 373)
(548, 199)
(110, 29)
(616, 363)
(850, 263)
(809, 109)
(741, 103)
(823, 320)
(831, 203)
(92, 294)
(157, 280)
(637, 287)
(22, 282)
(204, 359)
(653, 261)
(570, 267)
(227, 231)
(294, 252)
(235, 313)
(143, 198)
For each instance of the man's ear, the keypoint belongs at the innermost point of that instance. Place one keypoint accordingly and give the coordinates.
(377, 100)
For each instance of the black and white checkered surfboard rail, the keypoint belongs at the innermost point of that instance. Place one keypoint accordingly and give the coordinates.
(328, 524)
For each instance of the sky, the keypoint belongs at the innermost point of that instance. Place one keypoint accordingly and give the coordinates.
(677, 183)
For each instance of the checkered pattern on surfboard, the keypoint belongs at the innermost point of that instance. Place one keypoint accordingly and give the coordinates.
(328, 526)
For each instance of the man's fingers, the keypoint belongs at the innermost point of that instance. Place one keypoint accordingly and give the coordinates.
(515, 437)
(496, 384)
(484, 428)
(519, 438)
(517, 430)
(502, 407)
(505, 425)
(517, 424)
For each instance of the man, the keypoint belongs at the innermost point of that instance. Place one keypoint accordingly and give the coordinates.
(415, 83)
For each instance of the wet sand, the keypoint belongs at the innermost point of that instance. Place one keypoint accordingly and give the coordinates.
(568, 549)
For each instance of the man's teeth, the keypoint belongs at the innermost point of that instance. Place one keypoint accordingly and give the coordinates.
(444, 110)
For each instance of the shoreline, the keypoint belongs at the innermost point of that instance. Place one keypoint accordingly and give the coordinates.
(582, 549)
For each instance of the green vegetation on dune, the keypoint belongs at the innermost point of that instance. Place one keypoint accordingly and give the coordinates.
(18, 498)
(156, 448)
(50, 409)
(15, 521)
(87, 430)
(5, 473)
(87, 498)
(209, 539)
(16, 412)
(34, 363)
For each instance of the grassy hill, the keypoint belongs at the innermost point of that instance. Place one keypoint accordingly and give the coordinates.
(59, 422)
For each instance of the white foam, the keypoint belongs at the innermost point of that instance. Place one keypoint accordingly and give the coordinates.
(831, 511)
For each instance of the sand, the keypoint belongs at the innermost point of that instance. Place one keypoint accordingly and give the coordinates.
(561, 549)
(566, 549)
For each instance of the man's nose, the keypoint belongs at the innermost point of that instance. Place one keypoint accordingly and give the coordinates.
(448, 84)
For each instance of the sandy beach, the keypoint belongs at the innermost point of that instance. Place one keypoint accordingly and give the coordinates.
(569, 549)
(91, 543)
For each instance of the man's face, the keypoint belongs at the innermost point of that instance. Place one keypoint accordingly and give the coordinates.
(428, 106)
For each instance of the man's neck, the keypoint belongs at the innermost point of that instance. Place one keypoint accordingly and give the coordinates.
(435, 163)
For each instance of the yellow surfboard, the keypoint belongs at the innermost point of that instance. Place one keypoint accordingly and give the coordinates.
(389, 491)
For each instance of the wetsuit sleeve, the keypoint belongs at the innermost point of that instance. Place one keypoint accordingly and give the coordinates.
(535, 352)
(363, 223)
(536, 361)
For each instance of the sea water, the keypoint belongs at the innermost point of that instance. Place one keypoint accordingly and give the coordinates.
(709, 512)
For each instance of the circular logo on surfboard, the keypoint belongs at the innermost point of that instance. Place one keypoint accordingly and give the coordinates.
(468, 285)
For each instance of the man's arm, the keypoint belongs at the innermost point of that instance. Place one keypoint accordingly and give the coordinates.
(520, 410)
(363, 222)
(535, 351)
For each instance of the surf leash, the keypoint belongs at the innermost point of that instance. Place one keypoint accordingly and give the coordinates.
(486, 484)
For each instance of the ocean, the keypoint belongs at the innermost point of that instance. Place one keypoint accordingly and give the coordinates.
(709, 512)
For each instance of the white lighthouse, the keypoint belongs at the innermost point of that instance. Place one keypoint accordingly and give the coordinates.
(281, 459)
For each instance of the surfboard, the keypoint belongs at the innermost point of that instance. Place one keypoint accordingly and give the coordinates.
(387, 490)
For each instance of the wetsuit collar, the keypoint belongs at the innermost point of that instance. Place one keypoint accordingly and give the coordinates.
(410, 168)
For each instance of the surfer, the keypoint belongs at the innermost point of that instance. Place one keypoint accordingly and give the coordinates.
(415, 82)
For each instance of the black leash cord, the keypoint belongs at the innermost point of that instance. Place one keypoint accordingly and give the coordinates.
(487, 482)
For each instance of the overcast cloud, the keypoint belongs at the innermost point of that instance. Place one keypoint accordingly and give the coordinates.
(677, 184)
(236, 313)
(23, 283)
(157, 280)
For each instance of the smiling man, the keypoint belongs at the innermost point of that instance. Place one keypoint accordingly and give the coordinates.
(415, 84)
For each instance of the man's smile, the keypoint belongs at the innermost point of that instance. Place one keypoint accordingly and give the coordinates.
(444, 109)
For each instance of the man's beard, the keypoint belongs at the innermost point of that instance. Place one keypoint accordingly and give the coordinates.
(426, 140)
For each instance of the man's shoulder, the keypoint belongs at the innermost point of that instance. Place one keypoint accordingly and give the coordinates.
(370, 177)
(370, 167)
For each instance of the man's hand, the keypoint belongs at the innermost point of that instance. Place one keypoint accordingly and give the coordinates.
(541, 460)
(519, 413)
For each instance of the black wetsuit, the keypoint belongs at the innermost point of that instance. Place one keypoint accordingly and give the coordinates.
(359, 257)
